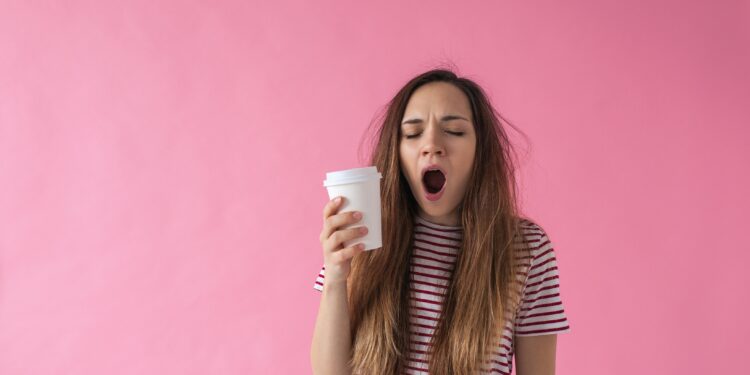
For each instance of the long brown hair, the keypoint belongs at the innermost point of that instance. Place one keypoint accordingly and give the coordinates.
(483, 292)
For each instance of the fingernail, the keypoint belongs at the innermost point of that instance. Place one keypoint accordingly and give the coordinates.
(357, 215)
(337, 200)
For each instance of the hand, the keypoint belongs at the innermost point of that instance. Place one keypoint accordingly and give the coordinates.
(337, 259)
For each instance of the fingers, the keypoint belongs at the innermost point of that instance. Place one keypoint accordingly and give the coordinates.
(339, 237)
(348, 253)
(338, 221)
(335, 235)
(332, 222)
(328, 210)
(332, 207)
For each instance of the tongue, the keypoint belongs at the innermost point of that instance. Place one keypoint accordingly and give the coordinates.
(434, 181)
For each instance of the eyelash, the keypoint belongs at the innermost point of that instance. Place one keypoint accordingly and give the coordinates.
(458, 134)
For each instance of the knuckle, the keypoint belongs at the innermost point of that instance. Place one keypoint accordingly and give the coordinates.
(346, 253)
(351, 234)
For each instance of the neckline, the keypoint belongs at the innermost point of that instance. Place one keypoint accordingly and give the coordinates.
(422, 220)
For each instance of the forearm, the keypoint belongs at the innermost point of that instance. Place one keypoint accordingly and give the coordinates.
(331, 346)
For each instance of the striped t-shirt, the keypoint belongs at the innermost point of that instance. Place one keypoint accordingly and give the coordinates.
(435, 248)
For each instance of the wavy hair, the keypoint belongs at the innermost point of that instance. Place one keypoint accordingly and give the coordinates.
(484, 291)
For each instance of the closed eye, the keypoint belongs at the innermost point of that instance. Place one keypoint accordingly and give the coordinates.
(457, 134)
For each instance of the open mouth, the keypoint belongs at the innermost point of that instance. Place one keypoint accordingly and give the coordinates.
(433, 181)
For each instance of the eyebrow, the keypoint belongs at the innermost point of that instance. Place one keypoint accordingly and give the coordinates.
(445, 118)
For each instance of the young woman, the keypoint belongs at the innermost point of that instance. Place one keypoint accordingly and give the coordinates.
(463, 281)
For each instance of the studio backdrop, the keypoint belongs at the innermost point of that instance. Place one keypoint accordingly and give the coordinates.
(162, 167)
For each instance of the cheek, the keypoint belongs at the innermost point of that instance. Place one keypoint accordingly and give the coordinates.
(471, 150)
(402, 157)
(464, 151)
(468, 159)
(403, 161)
(406, 156)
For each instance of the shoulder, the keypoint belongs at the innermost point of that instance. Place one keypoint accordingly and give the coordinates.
(533, 234)
(536, 247)
(541, 309)
(531, 227)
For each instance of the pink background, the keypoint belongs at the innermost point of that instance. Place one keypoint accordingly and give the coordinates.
(161, 168)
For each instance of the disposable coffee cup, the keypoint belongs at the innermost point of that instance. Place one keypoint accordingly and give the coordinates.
(361, 189)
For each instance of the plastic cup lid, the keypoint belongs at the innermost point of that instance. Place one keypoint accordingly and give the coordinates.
(349, 176)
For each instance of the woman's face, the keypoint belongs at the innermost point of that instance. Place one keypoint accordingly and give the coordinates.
(437, 129)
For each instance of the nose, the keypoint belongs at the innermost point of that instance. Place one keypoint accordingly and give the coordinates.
(433, 142)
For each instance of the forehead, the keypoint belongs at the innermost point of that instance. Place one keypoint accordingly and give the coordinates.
(438, 97)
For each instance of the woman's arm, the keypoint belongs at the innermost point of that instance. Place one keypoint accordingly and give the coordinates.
(331, 346)
(535, 355)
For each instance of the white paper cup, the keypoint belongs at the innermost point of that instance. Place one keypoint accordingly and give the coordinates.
(361, 188)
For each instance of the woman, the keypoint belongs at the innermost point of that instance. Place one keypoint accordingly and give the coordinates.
(463, 281)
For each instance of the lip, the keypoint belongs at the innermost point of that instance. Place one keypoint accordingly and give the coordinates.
(434, 197)
(434, 166)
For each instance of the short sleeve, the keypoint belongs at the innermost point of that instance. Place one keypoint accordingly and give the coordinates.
(319, 280)
(541, 311)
